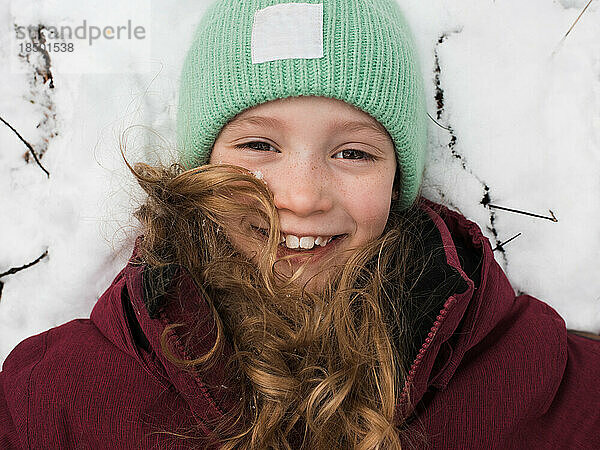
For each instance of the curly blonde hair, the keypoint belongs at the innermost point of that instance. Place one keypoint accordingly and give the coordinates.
(315, 370)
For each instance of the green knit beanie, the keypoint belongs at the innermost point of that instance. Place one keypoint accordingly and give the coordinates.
(247, 52)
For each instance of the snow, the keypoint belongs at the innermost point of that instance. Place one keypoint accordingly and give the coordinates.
(521, 105)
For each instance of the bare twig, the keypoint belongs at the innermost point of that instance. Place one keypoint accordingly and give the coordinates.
(586, 334)
(576, 20)
(572, 26)
(14, 270)
(502, 244)
(552, 219)
(437, 123)
(28, 145)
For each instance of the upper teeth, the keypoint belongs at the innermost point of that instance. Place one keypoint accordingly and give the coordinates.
(306, 242)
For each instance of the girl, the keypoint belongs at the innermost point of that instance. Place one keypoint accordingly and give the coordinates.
(289, 287)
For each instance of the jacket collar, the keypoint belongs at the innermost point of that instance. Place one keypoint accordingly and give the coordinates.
(464, 319)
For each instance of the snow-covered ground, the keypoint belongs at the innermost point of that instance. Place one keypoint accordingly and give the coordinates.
(519, 127)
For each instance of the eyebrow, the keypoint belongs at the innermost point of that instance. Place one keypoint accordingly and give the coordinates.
(376, 130)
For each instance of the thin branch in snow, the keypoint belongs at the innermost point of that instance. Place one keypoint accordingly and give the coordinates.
(440, 103)
(439, 92)
(492, 227)
(552, 219)
(41, 87)
(572, 26)
(437, 123)
(585, 334)
(501, 245)
(28, 145)
(576, 20)
(14, 270)
(42, 68)
(439, 97)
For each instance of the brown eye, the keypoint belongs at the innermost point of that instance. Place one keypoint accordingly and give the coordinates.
(251, 145)
(356, 154)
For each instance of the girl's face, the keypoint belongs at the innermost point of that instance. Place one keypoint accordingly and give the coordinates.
(329, 166)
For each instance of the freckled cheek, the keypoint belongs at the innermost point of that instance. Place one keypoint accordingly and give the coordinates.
(219, 157)
(371, 210)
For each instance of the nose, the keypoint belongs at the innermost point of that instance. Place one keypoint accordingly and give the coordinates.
(303, 189)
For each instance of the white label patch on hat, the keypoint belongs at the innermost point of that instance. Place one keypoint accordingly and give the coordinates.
(287, 30)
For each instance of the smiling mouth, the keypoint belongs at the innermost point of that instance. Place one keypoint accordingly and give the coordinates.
(315, 248)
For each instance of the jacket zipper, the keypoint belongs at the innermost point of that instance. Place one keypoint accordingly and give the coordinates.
(434, 329)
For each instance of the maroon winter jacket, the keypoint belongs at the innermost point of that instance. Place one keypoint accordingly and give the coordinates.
(494, 370)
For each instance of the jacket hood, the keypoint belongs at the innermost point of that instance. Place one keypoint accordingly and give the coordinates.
(461, 320)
